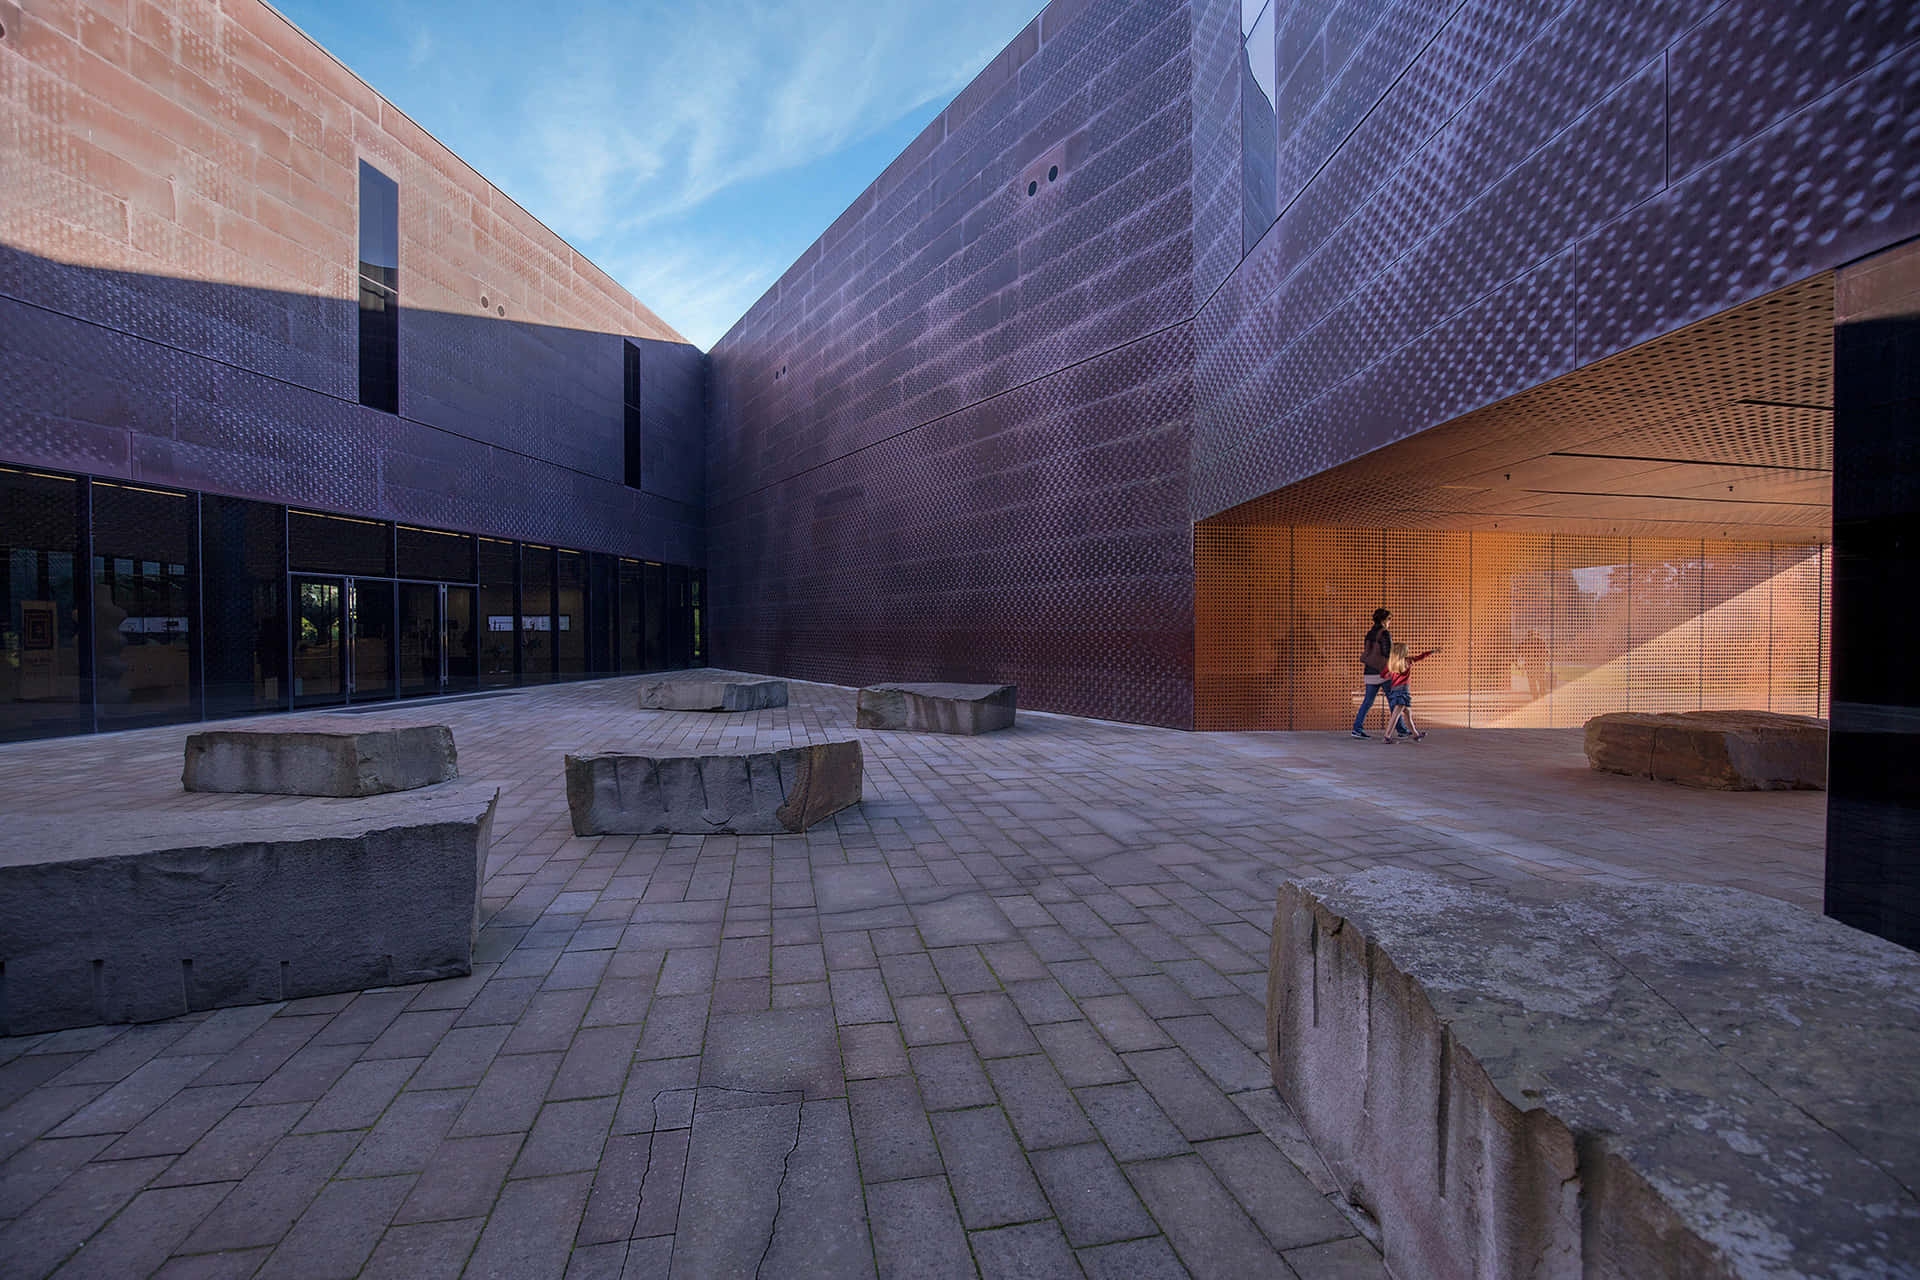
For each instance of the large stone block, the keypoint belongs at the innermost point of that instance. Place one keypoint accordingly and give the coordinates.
(937, 708)
(1647, 1081)
(712, 695)
(121, 916)
(758, 793)
(320, 756)
(1725, 750)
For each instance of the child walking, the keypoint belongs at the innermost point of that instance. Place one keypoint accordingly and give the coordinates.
(1399, 695)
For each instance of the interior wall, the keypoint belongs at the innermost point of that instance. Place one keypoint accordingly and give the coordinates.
(1534, 629)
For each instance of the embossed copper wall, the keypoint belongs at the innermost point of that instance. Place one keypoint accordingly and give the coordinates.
(1535, 630)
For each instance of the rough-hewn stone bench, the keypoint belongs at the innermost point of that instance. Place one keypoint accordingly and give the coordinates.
(320, 756)
(1646, 1081)
(128, 916)
(1726, 750)
(937, 708)
(756, 793)
(712, 695)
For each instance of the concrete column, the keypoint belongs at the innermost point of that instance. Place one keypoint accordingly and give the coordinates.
(1873, 798)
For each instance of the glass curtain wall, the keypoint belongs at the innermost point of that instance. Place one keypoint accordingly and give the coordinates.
(43, 687)
(570, 615)
(143, 605)
(243, 605)
(499, 637)
(536, 614)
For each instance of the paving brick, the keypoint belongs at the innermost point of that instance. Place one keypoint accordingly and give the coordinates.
(234, 1145)
(1348, 1259)
(676, 1026)
(501, 1002)
(407, 1134)
(658, 1095)
(1030, 1251)
(929, 1020)
(273, 1194)
(895, 1140)
(615, 1199)
(787, 1049)
(1123, 1024)
(736, 1164)
(134, 1098)
(1134, 1260)
(423, 1251)
(1282, 1202)
(963, 970)
(821, 1226)
(1218, 1052)
(1080, 1054)
(460, 1058)
(596, 1064)
(356, 1100)
(139, 1238)
(1193, 1102)
(508, 1097)
(994, 1025)
(41, 1167)
(1090, 1196)
(991, 1181)
(910, 974)
(1207, 1228)
(121, 1056)
(659, 1208)
(179, 1122)
(951, 1077)
(566, 1137)
(549, 1022)
(1131, 1124)
(620, 1002)
(872, 1050)
(461, 1179)
(1034, 1097)
(859, 995)
(916, 1231)
(531, 1230)
(306, 1075)
(338, 1232)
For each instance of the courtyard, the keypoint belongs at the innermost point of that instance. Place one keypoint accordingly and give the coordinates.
(1006, 1017)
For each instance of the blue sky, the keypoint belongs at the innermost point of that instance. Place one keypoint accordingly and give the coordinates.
(692, 151)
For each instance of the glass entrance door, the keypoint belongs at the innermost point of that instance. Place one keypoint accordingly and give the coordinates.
(319, 641)
(462, 647)
(370, 605)
(420, 632)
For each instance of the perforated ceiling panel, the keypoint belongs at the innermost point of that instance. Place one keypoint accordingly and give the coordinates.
(1723, 429)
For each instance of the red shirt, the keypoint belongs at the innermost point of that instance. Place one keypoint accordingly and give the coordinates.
(1393, 681)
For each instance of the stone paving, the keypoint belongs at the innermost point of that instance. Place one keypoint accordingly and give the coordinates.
(1004, 1018)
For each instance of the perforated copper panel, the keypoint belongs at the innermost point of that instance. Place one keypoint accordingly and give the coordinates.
(1534, 630)
(1723, 429)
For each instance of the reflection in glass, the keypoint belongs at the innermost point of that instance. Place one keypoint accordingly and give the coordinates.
(41, 689)
(536, 613)
(603, 614)
(339, 544)
(1259, 134)
(461, 640)
(435, 556)
(372, 640)
(242, 607)
(142, 604)
(679, 633)
(497, 612)
(319, 642)
(653, 649)
(570, 620)
(419, 633)
(697, 586)
(379, 290)
(630, 639)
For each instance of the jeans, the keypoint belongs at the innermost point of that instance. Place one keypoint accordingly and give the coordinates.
(1366, 705)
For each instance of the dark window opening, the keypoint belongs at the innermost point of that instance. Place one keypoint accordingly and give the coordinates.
(379, 290)
(631, 396)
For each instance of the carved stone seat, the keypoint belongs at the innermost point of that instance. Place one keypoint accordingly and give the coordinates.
(125, 916)
(937, 708)
(753, 793)
(1652, 1080)
(712, 695)
(1723, 750)
(320, 756)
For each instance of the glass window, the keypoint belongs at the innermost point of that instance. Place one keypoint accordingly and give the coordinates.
(1259, 134)
(536, 613)
(631, 396)
(143, 608)
(570, 615)
(379, 290)
(339, 544)
(602, 615)
(680, 630)
(653, 648)
(431, 554)
(497, 612)
(373, 639)
(42, 689)
(243, 574)
(631, 642)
